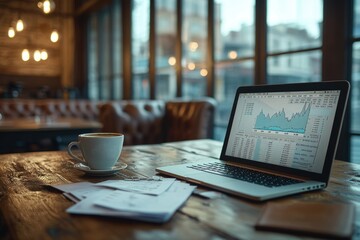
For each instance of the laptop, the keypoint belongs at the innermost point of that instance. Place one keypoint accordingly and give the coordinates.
(280, 140)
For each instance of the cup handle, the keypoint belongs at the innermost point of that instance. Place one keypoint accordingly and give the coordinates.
(76, 158)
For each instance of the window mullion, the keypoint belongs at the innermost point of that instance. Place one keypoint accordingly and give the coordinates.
(210, 49)
(127, 58)
(260, 42)
(152, 49)
(178, 50)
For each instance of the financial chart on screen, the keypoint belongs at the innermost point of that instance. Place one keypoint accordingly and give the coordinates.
(289, 129)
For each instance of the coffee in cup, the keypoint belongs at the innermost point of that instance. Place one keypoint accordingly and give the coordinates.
(100, 151)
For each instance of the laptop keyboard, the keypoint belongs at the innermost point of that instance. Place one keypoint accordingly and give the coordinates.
(245, 174)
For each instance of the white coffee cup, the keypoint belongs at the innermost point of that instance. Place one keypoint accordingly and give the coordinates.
(100, 151)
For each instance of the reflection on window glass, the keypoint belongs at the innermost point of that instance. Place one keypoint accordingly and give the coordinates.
(194, 42)
(140, 49)
(294, 25)
(355, 149)
(229, 76)
(291, 68)
(165, 49)
(357, 18)
(355, 89)
(234, 29)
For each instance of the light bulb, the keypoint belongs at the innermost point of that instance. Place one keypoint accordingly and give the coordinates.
(11, 32)
(19, 25)
(40, 5)
(172, 61)
(44, 55)
(232, 54)
(37, 55)
(47, 6)
(191, 66)
(203, 72)
(193, 46)
(54, 37)
(25, 55)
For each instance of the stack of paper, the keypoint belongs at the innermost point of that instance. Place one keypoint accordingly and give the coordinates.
(153, 201)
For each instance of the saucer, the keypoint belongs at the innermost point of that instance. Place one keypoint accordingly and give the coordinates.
(100, 173)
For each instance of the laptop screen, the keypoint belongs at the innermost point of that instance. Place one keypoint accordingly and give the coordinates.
(288, 129)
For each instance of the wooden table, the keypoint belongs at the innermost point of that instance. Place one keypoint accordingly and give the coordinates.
(29, 209)
(20, 134)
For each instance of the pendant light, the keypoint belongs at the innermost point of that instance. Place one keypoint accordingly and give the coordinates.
(54, 37)
(11, 32)
(25, 55)
(19, 25)
(37, 55)
(44, 54)
(47, 6)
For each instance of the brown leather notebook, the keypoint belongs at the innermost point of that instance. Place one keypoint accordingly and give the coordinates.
(331, 220)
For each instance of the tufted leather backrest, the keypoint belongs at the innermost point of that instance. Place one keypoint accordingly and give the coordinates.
(189, 119)
(141, 121)
(57, 108)
(12, 109)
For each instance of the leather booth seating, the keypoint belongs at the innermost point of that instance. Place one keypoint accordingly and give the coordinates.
(156, 121)
(141, 121)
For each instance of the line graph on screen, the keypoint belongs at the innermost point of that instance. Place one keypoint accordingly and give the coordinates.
(279, 121)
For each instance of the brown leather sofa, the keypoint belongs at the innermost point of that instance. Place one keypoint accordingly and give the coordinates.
(142, 121)
(156, 121)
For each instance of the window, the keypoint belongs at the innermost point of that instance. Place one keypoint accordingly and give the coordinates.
(194, 44)
(234, 41)
(355, 92)
(140, 49)
(104, 53)
(104, 56)
(294, 41)
(165, 49)
(356, 18)
(304, 67)
(229, 76)
(117, 51)
(355, 98)
(93, 78)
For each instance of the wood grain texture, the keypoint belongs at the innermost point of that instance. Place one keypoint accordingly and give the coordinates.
(29, 209)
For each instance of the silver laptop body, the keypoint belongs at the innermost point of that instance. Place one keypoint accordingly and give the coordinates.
(286, 130)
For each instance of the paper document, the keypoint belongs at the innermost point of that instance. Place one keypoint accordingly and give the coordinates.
(135, 205)
(153, 201)
(140, 186)
(78, 190)
(167, 202)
